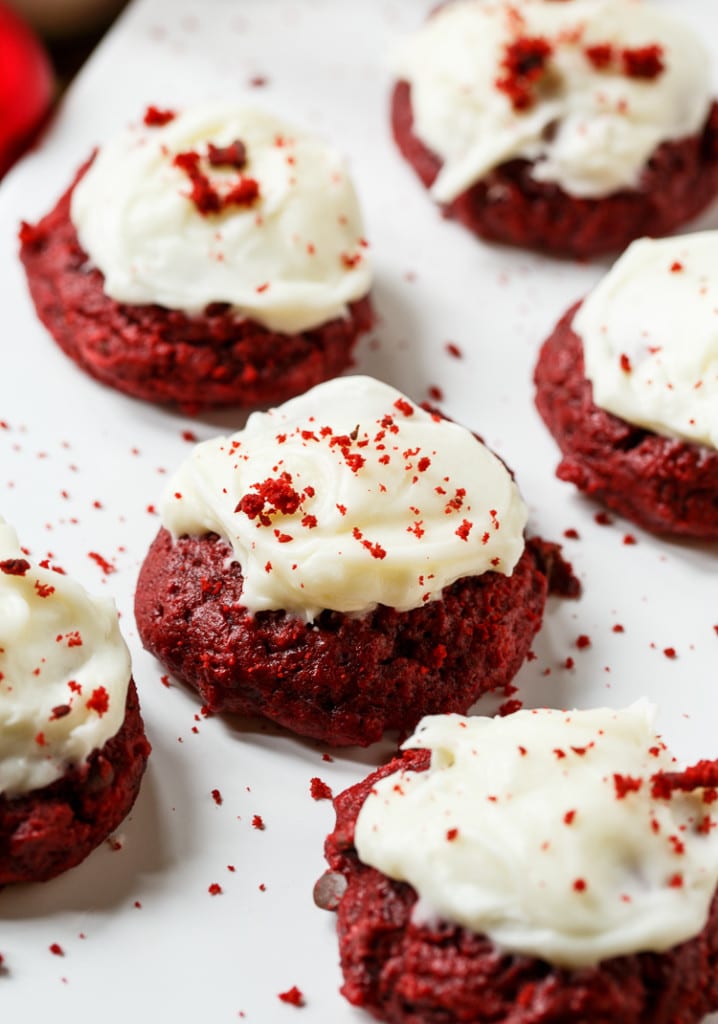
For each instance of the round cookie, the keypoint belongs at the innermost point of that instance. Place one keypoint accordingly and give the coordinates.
(310, 572)
(206, 258)
(637, 432)
(73, 748)
(405, 962)
(567, 128)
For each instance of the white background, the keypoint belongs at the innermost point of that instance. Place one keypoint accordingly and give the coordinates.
(67, 442)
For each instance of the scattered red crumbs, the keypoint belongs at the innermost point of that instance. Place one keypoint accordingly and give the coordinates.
(60, 711)
(217, 797)
(327, 757)
(569, 817)
(275, 494)
(569, 662)
(571, 534)
(600, 55)
(44, 590)
(625, 784)
(670, 652)
(156, 118)
(629, 539)
(107, 567)
(189, 435)
(463, 531)
(99, 701)
(293, 996)
(57, 949)
(320, 790)
(165, 680)
(643, 61)
(454, 350)
(583, 641)
(618, 628)
(14, 566)
(258, 81)
(580, 885)
(215, 889)
(524, 65)
(702, 775)
(435, 393)
(625, 363)
(40, 739)
(258, 822)
(676, 881)
(451, 834)
(676, 267)
(404, 407)
(203, 194)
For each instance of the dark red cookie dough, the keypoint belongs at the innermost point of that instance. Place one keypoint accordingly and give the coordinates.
(665, 485)
(49, 830)
(343, 680)
(409, 974)
(164, 355)
(509, 206)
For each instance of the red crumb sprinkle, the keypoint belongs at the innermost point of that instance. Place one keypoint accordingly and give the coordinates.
(293, 996)
(233, 155)
(56, 949)
(629, 539)
(463, 531)
(319, 789)
(14, 566)
(571, 534)
(676, 881)
(451, 834)
(107, 567)
(60, 711)
(165, 680)
(600, 55)
(569, 817)
(580, 885)
(618, 628)
(603, 519)
(217, 797)
(435, 393)
(189, 435)
(258, 822)
(583, 641)
(40, 739)
(327, 757)
(643, 61)
(404, 407)
(676, 267)
(670, 652)
(99, 701)
(215, 889)
(156, 118)
(44, 590)
(454, 350)
(625, 363)
(509, 707)
(203, 194)
(524, 65)
(625, 784)
(569, 662)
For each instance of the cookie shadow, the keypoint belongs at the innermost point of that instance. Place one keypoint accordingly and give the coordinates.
(113, 873)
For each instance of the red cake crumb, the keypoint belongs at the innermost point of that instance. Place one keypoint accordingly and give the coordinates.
(293, 996)
(320, 790)
(258, 822)
(56, 949)
(215, 889)
(156, 118)
(217, 797)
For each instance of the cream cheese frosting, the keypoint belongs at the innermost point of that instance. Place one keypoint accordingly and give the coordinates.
(64, 671)
(650, 337)
(585, 89)
(545, 831)
(287, 251)
(347, 497)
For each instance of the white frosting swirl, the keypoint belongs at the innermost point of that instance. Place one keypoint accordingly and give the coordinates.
(650, 337)
(64, 671)
(368, 500)
(292, 259)
(540, 830)
(588, 126)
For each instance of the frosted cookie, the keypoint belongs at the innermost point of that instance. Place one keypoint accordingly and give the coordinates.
(628, 385)
(546, 867)
(568, 127)
(209, 257)
(343, 565)
(72, 743)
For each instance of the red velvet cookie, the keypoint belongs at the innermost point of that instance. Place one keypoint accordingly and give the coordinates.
(405, 972)
(664, 484)
(525, 123)
(48, 830)
(226, 271)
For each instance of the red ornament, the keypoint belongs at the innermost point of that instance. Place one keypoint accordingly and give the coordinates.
(26, 87)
